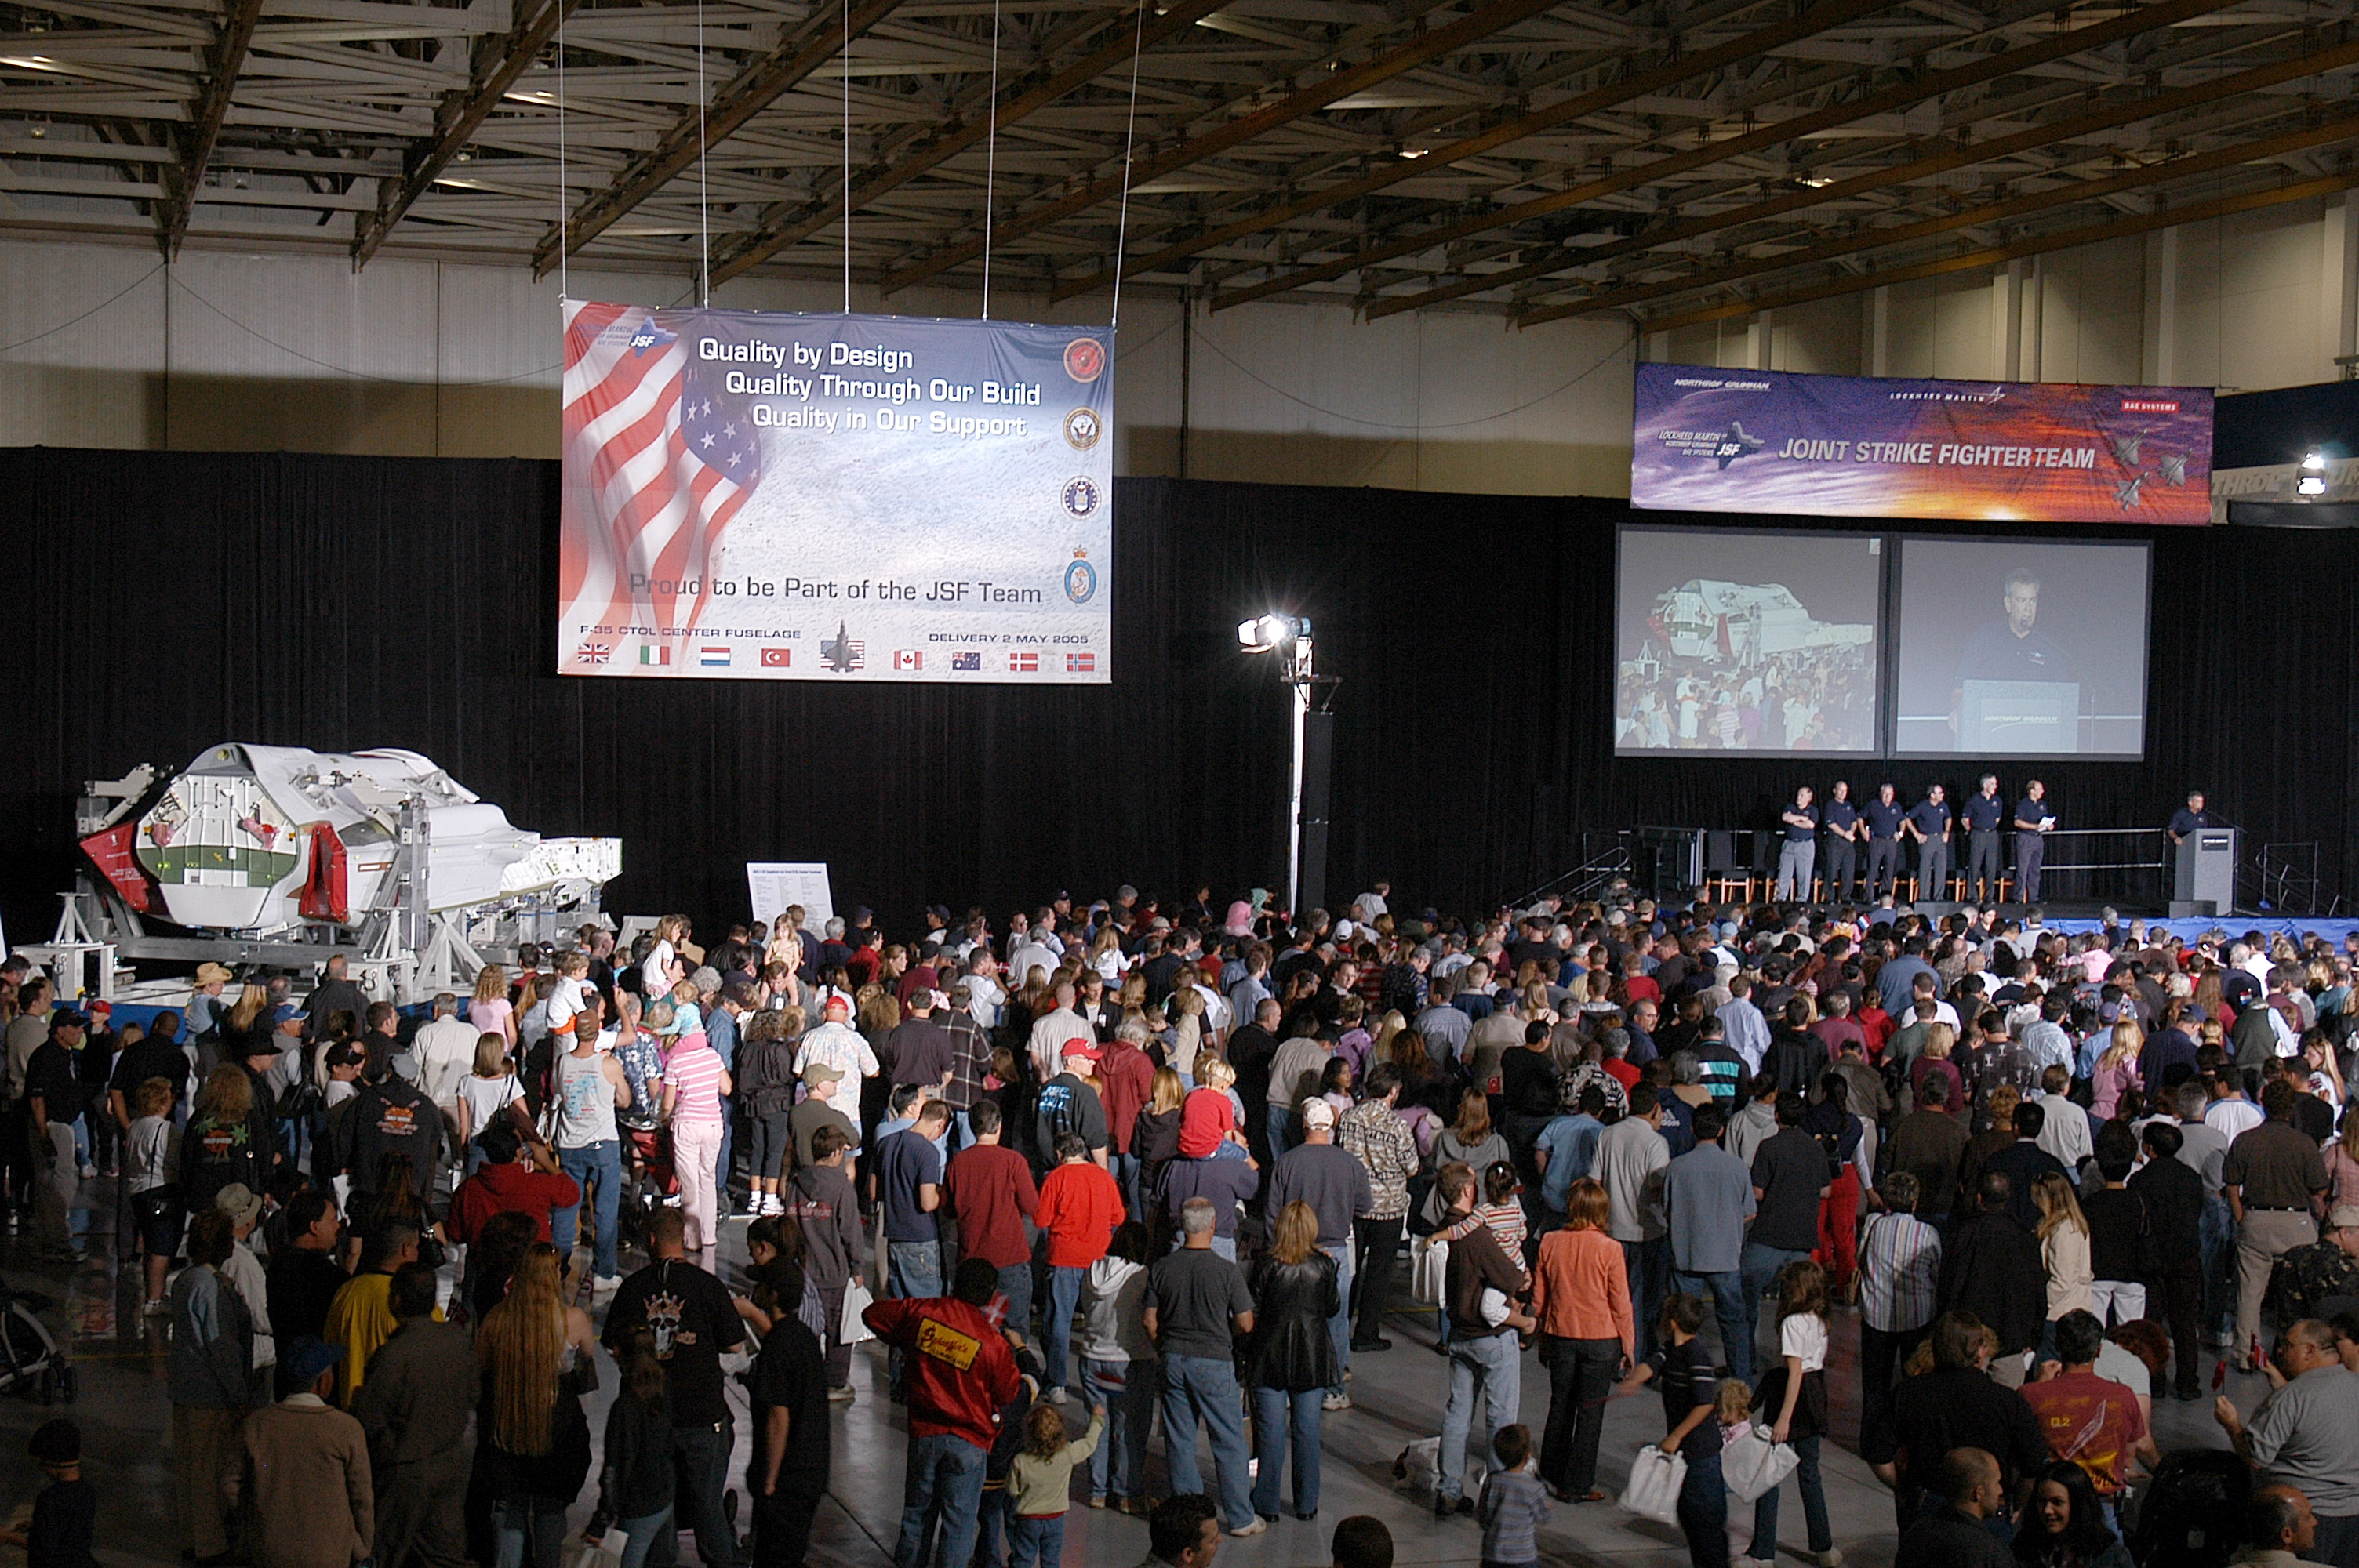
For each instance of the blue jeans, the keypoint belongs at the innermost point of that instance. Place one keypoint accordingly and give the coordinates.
(1041, 1540)
(913, 1272)
(700, 1463)
(942, 1487)
(643, 1531)
(1275, 1413)
(598, 1167)
(1489, 1367)
(1727, 1293)
(1814, 1506)
(528, 1524)
(1761, 1267)
(1703, 1513)
(1126, 1392)
(1205, 1388)
(1015, 1284)
(1057, 1333)
(1124, 1170)
(1281, 1129)
(1647, 1264)
(1338, 1327)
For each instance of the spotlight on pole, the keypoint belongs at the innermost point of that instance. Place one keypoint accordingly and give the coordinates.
(1289, 637)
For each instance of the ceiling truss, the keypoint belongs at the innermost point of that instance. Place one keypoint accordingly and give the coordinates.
(1668, 161)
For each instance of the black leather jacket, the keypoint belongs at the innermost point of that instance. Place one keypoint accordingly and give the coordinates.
(1292, 1301)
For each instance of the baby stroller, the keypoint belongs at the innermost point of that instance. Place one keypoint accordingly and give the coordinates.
(652, 1180)
(30, 1361)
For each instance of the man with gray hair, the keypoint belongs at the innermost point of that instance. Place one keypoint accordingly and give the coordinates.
(443, 1053)
(1196, 1304)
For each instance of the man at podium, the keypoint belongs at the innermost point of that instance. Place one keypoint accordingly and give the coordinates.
(2188, 818)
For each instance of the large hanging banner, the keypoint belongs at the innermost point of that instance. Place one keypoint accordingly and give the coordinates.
(1756, 441)
(876, 498)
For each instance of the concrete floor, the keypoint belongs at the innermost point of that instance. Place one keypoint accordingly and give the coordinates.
(1397, 1397)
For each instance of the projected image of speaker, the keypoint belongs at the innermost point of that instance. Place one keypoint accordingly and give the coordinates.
(1729, 640)
(2017, 648)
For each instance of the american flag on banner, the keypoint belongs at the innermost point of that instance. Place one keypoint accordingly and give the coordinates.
(668, 461)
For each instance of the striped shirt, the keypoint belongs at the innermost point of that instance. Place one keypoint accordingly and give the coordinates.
(1899, 1259)
(694, 1070)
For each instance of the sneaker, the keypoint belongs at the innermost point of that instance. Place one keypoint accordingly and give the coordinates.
(1097, 1502)
(843, 1395)
(1336, 1402)
(606, 1284)
(87, 1172)
(1255, 1527)
(1830, 1558)
(1061, 1396)
(772, 1207)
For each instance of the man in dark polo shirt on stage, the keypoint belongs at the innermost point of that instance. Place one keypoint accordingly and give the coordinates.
(1795, 856)
(1982, 815)
(1929, 823)
(1880, 820)
(2272, 1176)
(1843, 842)
(2032, 822)
(2190, 817)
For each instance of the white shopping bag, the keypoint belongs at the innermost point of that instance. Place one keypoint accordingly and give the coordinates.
(1755, 1466)
(1656, 1478)
(1430, 1271)
(854, 1330)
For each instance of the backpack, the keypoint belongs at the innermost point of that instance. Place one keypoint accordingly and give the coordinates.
(2194, 1511)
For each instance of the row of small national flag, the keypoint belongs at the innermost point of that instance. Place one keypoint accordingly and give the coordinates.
(715, 658)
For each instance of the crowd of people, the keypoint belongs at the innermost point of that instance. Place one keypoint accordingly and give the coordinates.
(1137, 1165)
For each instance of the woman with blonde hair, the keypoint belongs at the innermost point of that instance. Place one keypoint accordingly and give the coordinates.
(1105, 955)
(1292, 1361)
(2116, 1077)
(1191, 1034)
(1939, 1041)
(533, 1441)
(663, 968)
(485, 1092)
(489, 1008)
(2064, 1249)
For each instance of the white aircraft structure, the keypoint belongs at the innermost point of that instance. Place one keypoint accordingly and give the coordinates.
(282, 855)
(1743, 623)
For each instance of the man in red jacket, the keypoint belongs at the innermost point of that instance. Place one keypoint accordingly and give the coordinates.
(960, 1374)
(514, 1176)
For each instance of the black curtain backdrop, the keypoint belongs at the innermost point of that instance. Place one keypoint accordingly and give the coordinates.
(166, 602)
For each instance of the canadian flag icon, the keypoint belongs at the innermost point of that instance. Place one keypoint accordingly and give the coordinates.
(908, 659)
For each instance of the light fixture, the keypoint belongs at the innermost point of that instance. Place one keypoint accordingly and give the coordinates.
(2312, 478)
(1265, 633)
(1306, 836)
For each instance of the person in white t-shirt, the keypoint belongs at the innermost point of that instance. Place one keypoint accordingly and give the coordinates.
(1794, 1404)
(662, 968)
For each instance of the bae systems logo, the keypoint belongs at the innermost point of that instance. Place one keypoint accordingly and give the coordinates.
(1084, 358)
(1081, 496)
